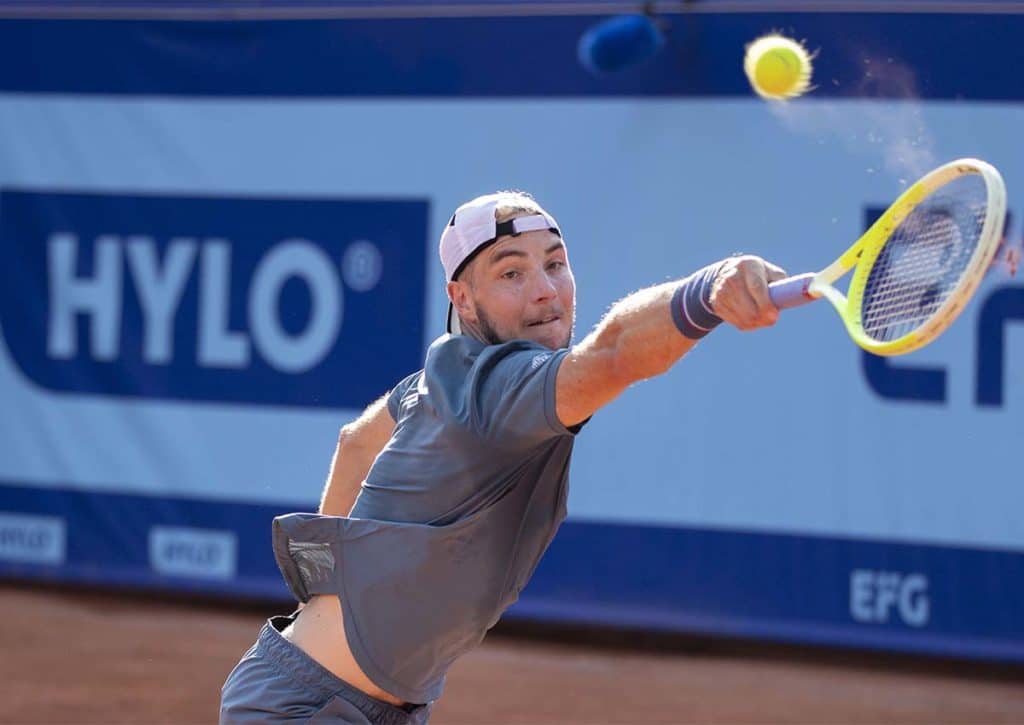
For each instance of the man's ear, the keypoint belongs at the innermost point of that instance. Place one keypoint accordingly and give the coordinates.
(462, 301)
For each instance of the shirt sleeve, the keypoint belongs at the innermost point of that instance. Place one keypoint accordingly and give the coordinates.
(512, 395)
(398, 392)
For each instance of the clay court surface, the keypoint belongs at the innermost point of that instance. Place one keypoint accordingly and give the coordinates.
(77, 657)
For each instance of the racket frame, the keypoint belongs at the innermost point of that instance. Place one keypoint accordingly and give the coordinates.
(862, 254)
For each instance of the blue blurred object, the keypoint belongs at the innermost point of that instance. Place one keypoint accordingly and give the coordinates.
(619, 43)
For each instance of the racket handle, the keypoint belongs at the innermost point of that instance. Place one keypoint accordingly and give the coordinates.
(792, 291)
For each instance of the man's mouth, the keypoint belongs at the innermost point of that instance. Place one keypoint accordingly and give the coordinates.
(544, 321)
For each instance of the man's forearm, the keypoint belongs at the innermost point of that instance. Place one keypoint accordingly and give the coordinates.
(651, 329)
(645, 333)
(641, 334)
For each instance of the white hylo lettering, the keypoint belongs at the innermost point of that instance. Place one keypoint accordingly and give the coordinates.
(160, 281)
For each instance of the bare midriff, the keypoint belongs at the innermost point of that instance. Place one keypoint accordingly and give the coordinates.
(319, 631)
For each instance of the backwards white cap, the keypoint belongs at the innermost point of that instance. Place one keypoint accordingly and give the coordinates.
(473, 227)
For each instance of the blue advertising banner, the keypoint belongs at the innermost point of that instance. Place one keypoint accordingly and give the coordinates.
(427, 56)
(219, 243)
(219, 299)
(926, 599)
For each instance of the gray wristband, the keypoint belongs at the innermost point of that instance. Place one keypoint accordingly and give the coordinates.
(691, 303)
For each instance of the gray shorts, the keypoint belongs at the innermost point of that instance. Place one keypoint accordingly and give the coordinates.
(276, 682)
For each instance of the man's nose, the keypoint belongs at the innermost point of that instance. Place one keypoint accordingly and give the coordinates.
(543, 287)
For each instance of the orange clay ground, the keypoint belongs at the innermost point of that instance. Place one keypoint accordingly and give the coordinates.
(88, 657)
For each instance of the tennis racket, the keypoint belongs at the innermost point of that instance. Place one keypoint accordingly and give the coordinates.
(917, 267)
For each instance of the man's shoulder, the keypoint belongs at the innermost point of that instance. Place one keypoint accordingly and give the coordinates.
(453, 353)
(504, 391)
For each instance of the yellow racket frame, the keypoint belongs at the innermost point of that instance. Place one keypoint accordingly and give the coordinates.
(861, 257)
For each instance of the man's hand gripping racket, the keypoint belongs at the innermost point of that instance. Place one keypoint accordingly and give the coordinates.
(917, 267)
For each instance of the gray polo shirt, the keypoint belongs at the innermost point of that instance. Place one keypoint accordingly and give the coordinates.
(452, 519)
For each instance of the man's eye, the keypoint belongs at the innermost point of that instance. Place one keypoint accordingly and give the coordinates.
(511, 274)
(557, 264)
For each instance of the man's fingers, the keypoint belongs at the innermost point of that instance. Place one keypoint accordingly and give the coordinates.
(732, 299)
(741, 294)
(736, 306)
(774, 273)
(755, 275)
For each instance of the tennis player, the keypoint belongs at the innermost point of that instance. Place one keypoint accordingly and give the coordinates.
(443, 495)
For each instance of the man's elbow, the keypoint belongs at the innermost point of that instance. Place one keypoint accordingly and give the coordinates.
(354, 439)
(348, 439)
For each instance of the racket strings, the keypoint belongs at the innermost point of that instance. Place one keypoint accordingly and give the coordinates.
(924, 259)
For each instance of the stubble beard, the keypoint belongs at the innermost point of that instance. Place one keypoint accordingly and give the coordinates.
(491, 336)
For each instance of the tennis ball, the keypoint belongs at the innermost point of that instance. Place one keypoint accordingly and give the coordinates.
(778, 67)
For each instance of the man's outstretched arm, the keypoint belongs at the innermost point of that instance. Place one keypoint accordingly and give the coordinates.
(359, 443)
(640, 337)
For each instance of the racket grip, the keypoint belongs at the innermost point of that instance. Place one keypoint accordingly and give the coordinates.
(792, 291)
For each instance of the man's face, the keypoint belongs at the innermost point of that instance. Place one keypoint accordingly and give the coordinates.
(519, 288)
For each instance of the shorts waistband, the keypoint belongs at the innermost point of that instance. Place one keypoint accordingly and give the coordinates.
(296, 663)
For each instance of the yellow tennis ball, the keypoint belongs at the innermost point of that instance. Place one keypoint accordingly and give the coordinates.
(778, 67)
